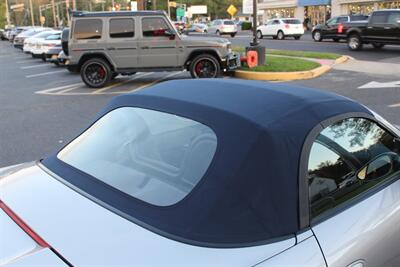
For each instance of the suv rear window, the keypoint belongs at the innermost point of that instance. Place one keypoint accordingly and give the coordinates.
(150, 155)
(292, 21)
(88, 29)
(229, 22)
(122, 28)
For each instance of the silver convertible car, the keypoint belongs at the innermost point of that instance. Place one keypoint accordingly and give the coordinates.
(212, 173)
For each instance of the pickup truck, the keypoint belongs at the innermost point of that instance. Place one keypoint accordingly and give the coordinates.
(382, 28)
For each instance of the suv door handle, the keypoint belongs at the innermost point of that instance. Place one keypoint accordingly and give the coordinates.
(145, 47)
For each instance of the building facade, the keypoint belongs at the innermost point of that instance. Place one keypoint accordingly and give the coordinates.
(318, 11)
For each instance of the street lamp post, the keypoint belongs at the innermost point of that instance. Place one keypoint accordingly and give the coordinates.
(255, 39)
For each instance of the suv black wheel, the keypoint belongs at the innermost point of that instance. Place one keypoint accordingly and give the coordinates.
(377, 45)
(233, 35)
(317, 36)
(259, 34)
(354, 42)
(205, 66)
(96, 73)
(280, 35)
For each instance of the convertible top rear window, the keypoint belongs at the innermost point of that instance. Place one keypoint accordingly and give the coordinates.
(153, 156)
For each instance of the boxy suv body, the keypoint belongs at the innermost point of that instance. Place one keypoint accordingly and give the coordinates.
(104, 44)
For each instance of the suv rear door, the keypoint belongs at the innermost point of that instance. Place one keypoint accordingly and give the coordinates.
(393, 34)
(156, 47)
(122, 45)
(378, 28)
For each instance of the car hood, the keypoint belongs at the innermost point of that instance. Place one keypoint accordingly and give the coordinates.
(201, 40)
(86, 233)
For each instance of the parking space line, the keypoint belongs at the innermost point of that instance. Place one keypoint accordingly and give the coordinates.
(154, 82)
(34, 66)
(25, 61)
(65, 87)
(397, 105)
(44, 73)
(99, 91)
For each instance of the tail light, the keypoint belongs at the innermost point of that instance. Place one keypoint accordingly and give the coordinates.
(23, 225)
(340, 28)
(40, 241)
(287, 26)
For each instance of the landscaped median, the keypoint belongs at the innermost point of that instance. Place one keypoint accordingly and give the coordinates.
(282, 65)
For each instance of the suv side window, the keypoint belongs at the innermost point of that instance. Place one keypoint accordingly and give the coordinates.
(276, 22)
(88, 29)
(347, 159)
(154, 27)
(332, 21)
(379, 17)
(122, 28)
(394, 17)
(342, 19)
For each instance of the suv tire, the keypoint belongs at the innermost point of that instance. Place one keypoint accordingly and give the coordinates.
(233, 35)
(317, 36)
(96, 73)
(280, 35)
(205, 66)
(259, 34)
(354, 42)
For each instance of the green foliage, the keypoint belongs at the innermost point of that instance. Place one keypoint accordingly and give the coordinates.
(279, 64)
(3, 20)
(246, 25)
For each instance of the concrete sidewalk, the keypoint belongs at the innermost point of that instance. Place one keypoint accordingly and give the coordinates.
(370, 67)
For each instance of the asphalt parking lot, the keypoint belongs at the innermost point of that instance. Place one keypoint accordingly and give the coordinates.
(43, 106)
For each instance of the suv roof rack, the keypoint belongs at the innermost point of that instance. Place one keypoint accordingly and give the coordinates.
(77, 13)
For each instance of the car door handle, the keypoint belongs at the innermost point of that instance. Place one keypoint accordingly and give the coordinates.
(145, 47)
(359, 263)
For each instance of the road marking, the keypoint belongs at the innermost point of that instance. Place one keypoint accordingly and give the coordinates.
(44, 73)
(101, 90)
(73, 86)
(374, 84)
(397, 105)
(156, 81)
(34, 66)
(25, 61)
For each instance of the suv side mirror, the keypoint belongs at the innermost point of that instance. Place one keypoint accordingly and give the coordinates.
(379, 167)
(170, 34)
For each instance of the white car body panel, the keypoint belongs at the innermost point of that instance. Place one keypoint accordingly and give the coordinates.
(272, 29)
(42, 258)
(42, 46)
(85, 233)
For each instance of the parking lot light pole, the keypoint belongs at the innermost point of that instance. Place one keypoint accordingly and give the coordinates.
(255, 39)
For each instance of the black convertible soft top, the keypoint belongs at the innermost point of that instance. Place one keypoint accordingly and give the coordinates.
(249, 195)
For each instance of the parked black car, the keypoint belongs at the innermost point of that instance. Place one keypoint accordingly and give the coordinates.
(330, 29)
(383, 27)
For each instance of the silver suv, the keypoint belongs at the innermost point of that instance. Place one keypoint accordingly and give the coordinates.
(104, 44)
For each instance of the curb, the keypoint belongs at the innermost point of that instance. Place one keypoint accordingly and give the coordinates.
(342, 59)
(288, 76)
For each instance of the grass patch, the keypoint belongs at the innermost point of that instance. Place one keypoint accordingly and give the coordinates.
(284, 64)
(305, 54)
(289, 53)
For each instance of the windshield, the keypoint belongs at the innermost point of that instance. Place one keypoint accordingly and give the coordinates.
(153, 156)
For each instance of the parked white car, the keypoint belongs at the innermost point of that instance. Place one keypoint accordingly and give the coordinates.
(223, 26)
(281, 28)
(31, 43)
(43, 45)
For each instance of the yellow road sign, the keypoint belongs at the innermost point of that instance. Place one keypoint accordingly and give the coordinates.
(232, 10)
